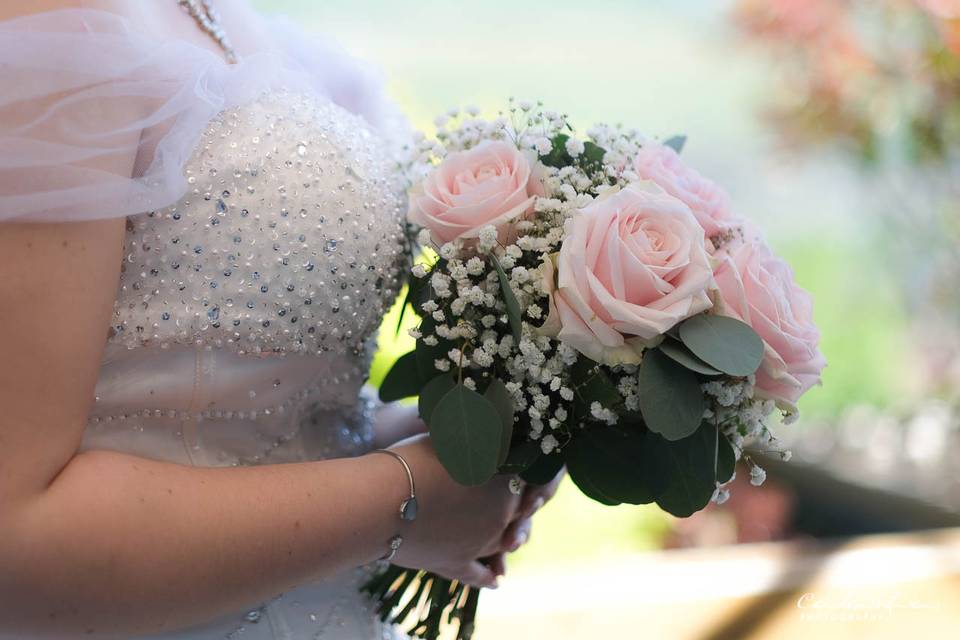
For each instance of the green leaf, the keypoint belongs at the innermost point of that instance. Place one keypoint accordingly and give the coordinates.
(681, 473)
(726, 460)
(432, 393)
(724, 343)
(676, 143)
(592, 384)
(509, 299)
(403, 309)
(466, 430)
(592, 154)
(412, 297)
(583, 482)
(558, 156)
(606, 462)
(403, 379)
(671, 400)
(521, 457)
(544, 469)
(500, 398)
(681, 355)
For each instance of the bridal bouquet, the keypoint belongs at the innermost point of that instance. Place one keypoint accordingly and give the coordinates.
(590, 303)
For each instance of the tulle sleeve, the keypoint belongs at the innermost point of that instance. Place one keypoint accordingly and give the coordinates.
(95, 118)
(99, 116)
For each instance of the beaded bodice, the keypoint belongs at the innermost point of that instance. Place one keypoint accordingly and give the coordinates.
(286, 242)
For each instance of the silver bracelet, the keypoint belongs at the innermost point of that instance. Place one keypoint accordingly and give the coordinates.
(408, 508)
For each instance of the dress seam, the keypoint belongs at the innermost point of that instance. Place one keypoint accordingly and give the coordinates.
(188, 428)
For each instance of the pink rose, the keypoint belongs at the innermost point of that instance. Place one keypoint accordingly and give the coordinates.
(633, 265)
(490, 184)
(758, 288)
(710, 204)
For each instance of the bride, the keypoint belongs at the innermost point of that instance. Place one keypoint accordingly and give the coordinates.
(201, 230)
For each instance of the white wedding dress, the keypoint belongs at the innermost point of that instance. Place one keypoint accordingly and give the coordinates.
(263, 244)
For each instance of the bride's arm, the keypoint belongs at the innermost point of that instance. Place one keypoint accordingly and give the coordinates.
(107, 543)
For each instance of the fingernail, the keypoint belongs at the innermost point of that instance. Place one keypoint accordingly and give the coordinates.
(536, 505)
(494, 585)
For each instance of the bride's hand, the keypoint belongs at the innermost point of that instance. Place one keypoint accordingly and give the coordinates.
(518, 533)
(455, 525)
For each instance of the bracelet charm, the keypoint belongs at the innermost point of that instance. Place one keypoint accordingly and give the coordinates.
(394, 544)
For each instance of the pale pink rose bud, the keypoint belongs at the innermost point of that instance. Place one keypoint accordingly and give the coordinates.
(633, 264)
(709, 203)
(490, 184)
(758, 288)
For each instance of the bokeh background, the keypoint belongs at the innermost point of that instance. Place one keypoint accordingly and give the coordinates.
(834, 124)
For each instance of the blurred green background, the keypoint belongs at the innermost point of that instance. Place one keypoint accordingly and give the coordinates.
(665, 68)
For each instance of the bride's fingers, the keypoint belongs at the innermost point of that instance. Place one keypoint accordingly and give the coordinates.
(516, 535)
(535, 496)
(531, 503)
(497, 563)
(478, 574)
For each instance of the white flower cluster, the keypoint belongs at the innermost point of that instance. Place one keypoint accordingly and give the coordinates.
(621, 145)
(538, 383)
(741, 418)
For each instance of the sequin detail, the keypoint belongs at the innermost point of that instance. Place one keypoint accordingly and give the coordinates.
(289, 239)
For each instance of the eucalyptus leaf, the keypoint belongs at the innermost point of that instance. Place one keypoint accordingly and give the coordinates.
(681, 355)
(403, 379)
(587, 487)
(544, 469)
(592, 384)
(432, 393)
(676, 142)
(466, 431)
(681, 473)
(607, 462)
(671, 400)
(592, 154)
(558, 156)
(726, 460)
(724, 343)
(500, 398)
(521, 456)
(509, 299)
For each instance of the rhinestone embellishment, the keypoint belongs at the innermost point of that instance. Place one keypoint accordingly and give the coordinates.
(279, 246)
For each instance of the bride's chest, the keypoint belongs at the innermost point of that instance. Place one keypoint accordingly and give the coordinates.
(289, 238)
